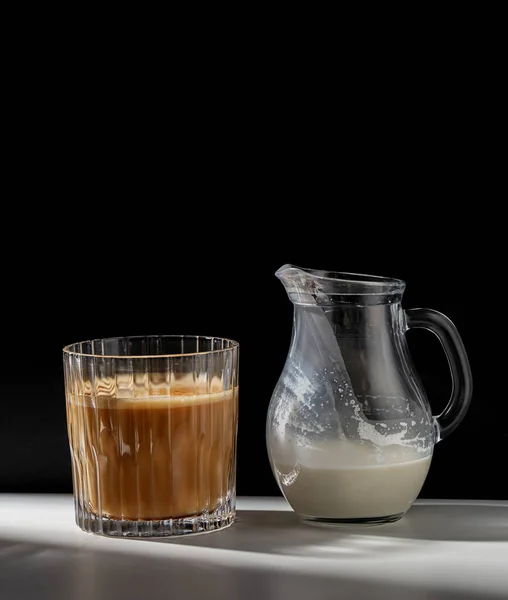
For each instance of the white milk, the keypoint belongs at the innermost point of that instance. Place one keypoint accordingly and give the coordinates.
(350, 480)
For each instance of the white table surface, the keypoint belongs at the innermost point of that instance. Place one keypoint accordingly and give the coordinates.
(441, 549)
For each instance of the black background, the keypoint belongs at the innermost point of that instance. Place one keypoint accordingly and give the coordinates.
(133, 209)
(206, 267)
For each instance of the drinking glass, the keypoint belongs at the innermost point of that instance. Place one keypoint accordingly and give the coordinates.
(152, 425)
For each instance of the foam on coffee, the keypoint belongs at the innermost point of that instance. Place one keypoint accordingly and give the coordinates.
(179, 391)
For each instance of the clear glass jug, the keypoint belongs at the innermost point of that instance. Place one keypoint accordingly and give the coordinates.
(350, 432)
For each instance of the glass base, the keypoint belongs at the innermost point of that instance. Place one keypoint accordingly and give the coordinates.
(325, 521)
(220, 518)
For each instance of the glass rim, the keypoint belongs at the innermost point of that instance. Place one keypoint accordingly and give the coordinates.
(69, 351)
(368, 285)
(360, 278)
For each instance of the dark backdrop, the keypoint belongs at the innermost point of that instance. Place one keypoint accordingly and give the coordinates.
(187, 269)
(138, 203)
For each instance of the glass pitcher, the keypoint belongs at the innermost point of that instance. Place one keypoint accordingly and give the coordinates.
(350, 432)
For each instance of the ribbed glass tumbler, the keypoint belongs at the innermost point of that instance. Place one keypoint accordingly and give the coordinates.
(152, 424)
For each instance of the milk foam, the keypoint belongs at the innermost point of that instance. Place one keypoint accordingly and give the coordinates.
(128, 391)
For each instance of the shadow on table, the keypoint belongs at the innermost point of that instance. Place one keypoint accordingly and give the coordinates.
(109, 570)
(38, 571)
(282, 532)
(451, 523)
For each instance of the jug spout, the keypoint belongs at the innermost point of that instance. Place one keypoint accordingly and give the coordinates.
(298, 282)
(313, 287)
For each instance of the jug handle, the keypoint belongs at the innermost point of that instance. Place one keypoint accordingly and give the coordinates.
(462, 379)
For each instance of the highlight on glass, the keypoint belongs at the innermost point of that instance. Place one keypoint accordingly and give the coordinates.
(152, 425)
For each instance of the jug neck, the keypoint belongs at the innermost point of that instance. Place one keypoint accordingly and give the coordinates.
(311, 287)
(347, 321)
